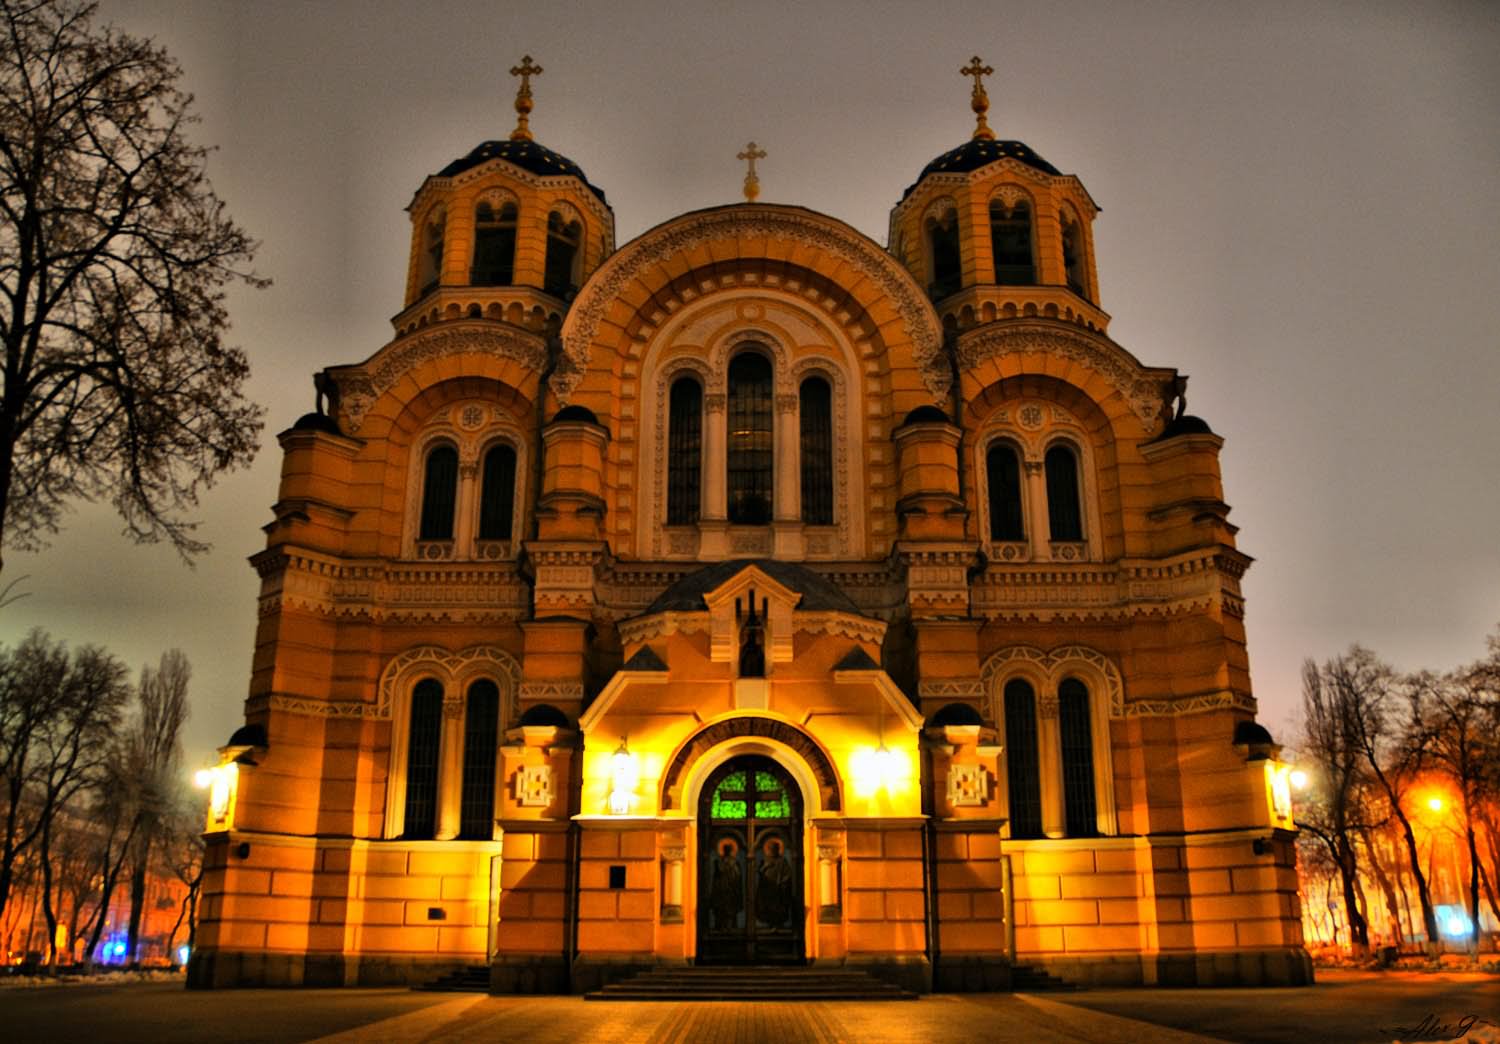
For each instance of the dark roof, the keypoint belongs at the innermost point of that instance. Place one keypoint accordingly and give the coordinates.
(544, 714)
(1187, 424)
(1253, 733)
(528, 155)
(686, 595)
(645, 659)
(317, 422)
(249, 736)
(926, 415)
(980, 152)
(956, 714)
(857, 660)
(575, 413)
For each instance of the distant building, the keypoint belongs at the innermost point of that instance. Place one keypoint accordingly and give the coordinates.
(751, 593)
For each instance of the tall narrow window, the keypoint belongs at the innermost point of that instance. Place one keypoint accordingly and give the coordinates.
(563, 239)
(481, 726)
(684, 451)
(750, 444)
(1010, 239)
(1023, 769)
(494, 245)
(1072, 244)
(1077, 758)
(816, 407)
(439, 494)
(431, 259)
(497, 501)
(947, 269)
(424, 739)
(1063, 511)
(1003, 471)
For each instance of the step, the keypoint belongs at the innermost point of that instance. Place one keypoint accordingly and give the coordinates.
(750, 983)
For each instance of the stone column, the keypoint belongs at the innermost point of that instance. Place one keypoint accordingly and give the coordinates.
(786, 521)
(714, 525)
(1049, 758)
(1038, 521)
(465, 508)
(830, 902)
(671, 884)
(450, 768)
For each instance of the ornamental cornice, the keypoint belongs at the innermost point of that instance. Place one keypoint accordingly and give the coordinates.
(748, 222)
(390, 591)
(1145, 390)
(456, 670)
(359, 386)
(542, 182)
(1005, 165)
(1049, 667)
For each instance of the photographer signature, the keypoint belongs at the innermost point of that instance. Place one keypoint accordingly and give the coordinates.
(1433, 1028)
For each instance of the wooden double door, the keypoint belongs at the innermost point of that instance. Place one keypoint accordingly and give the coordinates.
(750, 908)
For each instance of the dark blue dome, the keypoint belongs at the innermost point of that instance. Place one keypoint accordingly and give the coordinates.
(979, 152)
(528, 155)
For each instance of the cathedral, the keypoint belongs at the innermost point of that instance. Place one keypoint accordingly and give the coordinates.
(750, 594)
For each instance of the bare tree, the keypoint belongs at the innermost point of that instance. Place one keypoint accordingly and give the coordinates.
(114, 258)
(155, 757)
(182, 852)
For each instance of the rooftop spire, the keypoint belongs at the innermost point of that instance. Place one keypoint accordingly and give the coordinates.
(526, 70)
(752, 183)
(979, 101)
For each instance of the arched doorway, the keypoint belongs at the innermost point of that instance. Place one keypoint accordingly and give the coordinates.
(750, 865)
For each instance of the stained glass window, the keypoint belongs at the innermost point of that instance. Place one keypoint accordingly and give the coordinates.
(817, 452)
(733, 798)
(684, 429)
(729, 797)
(750, 440)
(770, 798)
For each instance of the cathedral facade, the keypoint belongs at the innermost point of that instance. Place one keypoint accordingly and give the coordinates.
(750, 593)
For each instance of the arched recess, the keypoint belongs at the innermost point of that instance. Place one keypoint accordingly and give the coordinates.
(719, 741)
(455, 672)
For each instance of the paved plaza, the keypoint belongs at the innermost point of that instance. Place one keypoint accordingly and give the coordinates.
(1345, 1008)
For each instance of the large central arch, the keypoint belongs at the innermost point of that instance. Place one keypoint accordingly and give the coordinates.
(750, 733)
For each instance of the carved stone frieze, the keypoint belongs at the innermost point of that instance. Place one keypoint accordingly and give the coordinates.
(455, 670)
(968, 786)
(532, 786)
(391, 591)
(950, 689)
(551, 691)
(1143, 390)
(359, 386)
(919, 321)
(1049, 668)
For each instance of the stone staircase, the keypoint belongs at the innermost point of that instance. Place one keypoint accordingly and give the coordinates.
(750, 983)
(475, 978)
(1029, 978)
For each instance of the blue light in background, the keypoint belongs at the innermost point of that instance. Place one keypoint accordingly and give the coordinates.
(1454, 921)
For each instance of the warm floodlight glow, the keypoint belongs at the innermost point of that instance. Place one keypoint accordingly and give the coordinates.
(219, 781)
(1435, 803)
(1278, 781)
(624, 771)
(878, 769)
(203, 778)
(1299, 779)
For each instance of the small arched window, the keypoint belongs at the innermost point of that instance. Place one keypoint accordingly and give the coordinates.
(439, 494)
(494, 245)
(431, 260)
(481, 728)
(1077, 758)
(424, 738)
(1063, 512)
(815, 404)
(1003, 472)
(947, 267)
(1023, 767)
(750, 452)
(497, 500)
(1072, 244)
(563, 240)
(1010, 239)
(684, 451)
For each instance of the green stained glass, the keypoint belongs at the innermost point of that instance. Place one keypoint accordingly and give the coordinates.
(729, 797)
(771, 802)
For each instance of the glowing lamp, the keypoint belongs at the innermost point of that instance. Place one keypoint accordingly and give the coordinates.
(1435, 803)
(219, 781)
(623, 775)
(1279, 783)
(1299, 779)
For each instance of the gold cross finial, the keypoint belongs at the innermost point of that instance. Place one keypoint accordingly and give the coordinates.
(752, 183)
(526, 70)
(979, 101)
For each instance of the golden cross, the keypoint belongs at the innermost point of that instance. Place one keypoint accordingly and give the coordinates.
(526, 70)
(979, 101)
(752, 183)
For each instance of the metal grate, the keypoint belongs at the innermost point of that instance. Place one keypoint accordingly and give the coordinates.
(684, 451)
(497, 503)
(816, 407)
(1022, 768)
(1003, 472)
(481, 727)
(1077, 758)
(750, 440)
(422, 747)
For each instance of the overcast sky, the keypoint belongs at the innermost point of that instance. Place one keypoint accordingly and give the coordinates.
(1299, 209)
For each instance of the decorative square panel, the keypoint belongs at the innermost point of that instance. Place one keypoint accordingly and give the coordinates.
(533, 786)
(968, 786)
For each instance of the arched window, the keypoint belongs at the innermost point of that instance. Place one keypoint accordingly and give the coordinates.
(497, 500)
(1010, 239)
(431, 259)
(494, 245)
(1003, 472)
(1063, 512)
(816, 408)
(750, 443)
(1072, 244)
(1077, 758)
(439, 494)
(1023, 768)
(684, 451)
(563, 239)
(947, 268)
(481, 727)
(424, 739)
